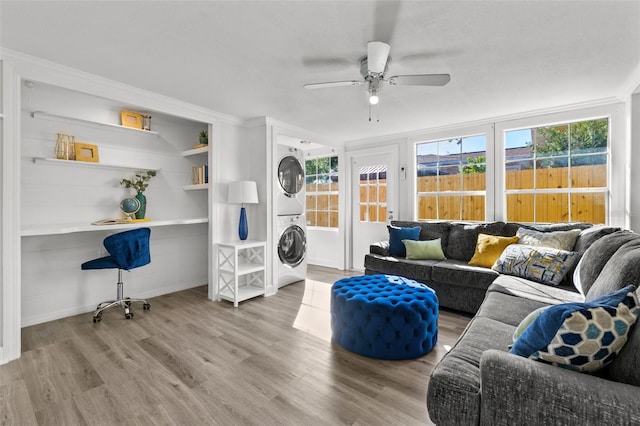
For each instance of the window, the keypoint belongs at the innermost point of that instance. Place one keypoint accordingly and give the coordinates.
(373, 193)
(451, 179)
(557, 173)
(322, 192)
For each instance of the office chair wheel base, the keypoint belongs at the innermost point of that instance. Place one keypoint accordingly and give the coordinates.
(97, 319)
(146, 306)
(129, 315)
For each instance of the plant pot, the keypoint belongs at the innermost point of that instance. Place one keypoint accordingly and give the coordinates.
(143, 205)
(204, 140)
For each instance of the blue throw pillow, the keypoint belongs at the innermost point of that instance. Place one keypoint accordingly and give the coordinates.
(396, 235)
(581, 336)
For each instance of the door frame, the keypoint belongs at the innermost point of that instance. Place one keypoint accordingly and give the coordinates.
(393, 152)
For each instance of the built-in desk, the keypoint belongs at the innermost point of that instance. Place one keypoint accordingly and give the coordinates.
(69, 228)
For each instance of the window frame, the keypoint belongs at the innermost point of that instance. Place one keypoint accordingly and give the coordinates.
(616, 187)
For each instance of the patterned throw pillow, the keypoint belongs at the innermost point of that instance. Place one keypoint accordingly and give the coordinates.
(544, 264)
(581, 336)
(563, 240)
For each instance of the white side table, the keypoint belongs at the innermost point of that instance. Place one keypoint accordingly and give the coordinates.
(241, 270)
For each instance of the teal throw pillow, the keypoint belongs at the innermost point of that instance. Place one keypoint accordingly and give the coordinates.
(583, 337)
(424, 250)
(396, 235)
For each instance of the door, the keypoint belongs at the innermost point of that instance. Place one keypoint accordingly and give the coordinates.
(373, 202)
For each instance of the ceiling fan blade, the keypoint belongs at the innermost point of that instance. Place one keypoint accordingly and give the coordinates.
(420, 80)
(332, 84)
(377, 55)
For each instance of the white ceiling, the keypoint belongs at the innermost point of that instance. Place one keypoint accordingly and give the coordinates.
(251, 59)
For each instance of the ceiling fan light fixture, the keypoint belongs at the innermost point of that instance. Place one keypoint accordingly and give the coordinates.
(373, 99)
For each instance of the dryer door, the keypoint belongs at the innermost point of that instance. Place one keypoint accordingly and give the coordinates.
(290, 175)
(292, 246)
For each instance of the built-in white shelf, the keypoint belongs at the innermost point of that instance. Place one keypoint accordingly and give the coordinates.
(195, 187)
(48, 115)
(55, 161)
(196, 151)
(70, 228)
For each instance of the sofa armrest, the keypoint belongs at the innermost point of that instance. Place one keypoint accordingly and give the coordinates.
(518, 390)
(381, 248)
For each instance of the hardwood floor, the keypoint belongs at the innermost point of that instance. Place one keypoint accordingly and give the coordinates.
(191, 361)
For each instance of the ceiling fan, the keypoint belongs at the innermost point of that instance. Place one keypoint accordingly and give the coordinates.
(373, 68)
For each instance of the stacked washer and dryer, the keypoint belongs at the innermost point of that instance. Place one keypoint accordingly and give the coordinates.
(292, 225)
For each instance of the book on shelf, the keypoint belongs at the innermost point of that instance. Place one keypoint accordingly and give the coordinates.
(200, 174)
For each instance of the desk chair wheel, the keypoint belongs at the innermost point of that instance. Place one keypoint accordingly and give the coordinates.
(146, 306)
(97, 318)
(128, 315)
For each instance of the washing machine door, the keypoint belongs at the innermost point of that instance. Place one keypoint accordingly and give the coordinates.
(290, 175)
(292, 246)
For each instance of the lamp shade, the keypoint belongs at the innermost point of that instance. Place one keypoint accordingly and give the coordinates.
(243, 192)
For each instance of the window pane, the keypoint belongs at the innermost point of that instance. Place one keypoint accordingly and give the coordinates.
(333, 202)
(520, 208)
(373, 213)
(589, 137)
(364, 191)
(552, 177)
(322, 219)
(594, 176)
(473, 207)
(427, 179)
(552, 208)
(323, 165)
(311, 202)
(333, 219)
(449, 207)
(552, 141)
(519, 175)
(322, 203)
(310, 167)
(588, 207)
(311, 218)
(334, 164)
(364, 217)
(310, 183)
(427, 208)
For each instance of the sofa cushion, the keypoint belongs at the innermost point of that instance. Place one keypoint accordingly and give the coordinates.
(563, 240)
(526, 289)
(590, 235)
(396, 235)
(463, 237)
(595, 258)
(621, 270)
(489, 248)
(507, 308)
(424, 250)
(543, 264)
(460, 273)
(419, 270)
(381, 248)
(581, 336)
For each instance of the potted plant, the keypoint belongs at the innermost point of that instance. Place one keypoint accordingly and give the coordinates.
(140, 182)
(204, 137)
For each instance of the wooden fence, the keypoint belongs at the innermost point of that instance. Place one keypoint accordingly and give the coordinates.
(554, 207)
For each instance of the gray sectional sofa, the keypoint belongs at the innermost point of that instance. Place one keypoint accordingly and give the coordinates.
(458, 285)
(479, 382)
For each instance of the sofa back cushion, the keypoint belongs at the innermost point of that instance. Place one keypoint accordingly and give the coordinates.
(590, 235)
(428, 230)
(621, 270)
(596, 257)
(463, 237)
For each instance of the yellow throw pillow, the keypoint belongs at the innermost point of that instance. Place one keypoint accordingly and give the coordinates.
(489, 248)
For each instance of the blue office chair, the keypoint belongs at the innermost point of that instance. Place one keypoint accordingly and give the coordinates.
(127, 250)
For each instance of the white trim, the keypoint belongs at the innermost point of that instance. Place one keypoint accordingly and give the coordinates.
(11, 243)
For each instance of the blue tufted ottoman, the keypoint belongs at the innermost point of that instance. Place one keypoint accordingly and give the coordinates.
(384, 316)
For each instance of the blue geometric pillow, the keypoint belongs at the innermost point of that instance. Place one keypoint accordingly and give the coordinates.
(396, 235)
(581, 336)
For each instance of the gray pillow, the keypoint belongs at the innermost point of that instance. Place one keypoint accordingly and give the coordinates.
(561, 240)
(590, 235)
(595, 258)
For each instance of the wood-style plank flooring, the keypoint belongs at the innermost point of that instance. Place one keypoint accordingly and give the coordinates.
(190, 361)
